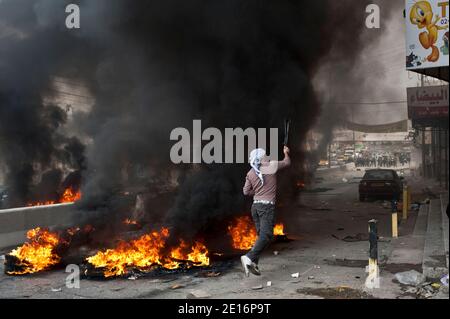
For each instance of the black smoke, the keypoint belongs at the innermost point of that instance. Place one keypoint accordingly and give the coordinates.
(32, 145)
(152, 66)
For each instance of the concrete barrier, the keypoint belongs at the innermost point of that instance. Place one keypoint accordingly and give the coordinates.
(15, 222)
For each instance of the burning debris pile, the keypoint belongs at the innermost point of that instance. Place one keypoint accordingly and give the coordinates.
(45, 250)
(69, 196)
(243, 233)
(38, 254)
(146, 253)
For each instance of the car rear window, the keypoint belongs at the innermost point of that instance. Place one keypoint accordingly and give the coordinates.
(379, 175)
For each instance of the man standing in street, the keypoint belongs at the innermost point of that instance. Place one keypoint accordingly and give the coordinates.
(261, 183)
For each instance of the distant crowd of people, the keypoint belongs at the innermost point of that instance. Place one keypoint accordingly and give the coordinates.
(382, 159)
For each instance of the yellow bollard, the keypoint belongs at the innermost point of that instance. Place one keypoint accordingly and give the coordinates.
(405, 202)
(394, 225)
(394, 219)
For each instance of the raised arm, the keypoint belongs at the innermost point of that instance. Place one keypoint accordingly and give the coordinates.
(287, 160)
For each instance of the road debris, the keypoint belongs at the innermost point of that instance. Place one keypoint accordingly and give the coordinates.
(342, 292)
(297, 275)
(356, 238)
(311, 277)
(424, 291)
(356, 263)
(197, 294)
(259, 287)
(178, 286)
(269, 284)
(276, 253)
(56, 289)
(436, 285)
(411, 278)
(213, 274)
(444, 280)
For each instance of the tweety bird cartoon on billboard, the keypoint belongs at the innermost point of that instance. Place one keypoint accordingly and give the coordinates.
(426, 34)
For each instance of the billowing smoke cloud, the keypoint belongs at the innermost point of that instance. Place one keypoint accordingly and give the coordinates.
(152, 66)
(363, 76)
(30, 139)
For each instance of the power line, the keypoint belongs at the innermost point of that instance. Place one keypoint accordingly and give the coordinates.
(369, 103)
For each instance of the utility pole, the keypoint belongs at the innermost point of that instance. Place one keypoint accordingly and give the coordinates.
(330, 82)
(424, 169)
(446, 158)
(354, 139)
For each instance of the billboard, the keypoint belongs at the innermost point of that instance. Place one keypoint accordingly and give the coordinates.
(426, 34)
(428, 102)
(400, 126)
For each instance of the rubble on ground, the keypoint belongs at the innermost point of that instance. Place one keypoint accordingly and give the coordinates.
(411, 277)
(198, 294)
(259, 287)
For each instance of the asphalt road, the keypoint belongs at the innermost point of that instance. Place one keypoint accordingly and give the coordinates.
(328, 266)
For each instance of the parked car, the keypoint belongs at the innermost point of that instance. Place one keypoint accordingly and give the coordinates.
(383, 183)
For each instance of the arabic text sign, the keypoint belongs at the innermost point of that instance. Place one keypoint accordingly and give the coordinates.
(427, 34)
(401, 126)
(428, 101)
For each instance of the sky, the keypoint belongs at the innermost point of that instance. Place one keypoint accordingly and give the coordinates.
(382, 65)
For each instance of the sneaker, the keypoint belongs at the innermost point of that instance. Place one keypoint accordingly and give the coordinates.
(246, 262)
(254, 269)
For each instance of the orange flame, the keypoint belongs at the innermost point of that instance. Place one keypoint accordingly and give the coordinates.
(38, 253)
(145, 252)
(69, 196)
(129, 221)
(243, 233)
(278, 230)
